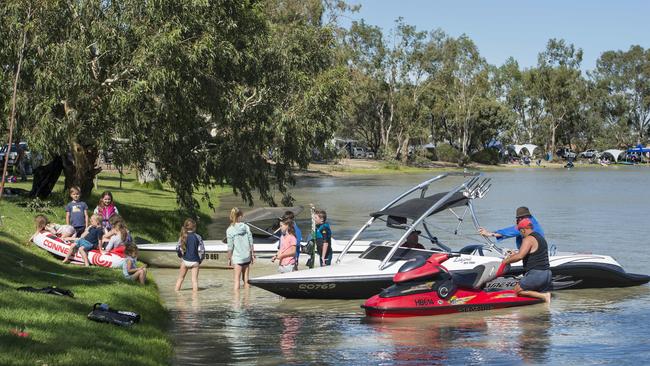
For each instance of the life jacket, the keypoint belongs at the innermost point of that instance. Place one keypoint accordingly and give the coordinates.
(106, 212)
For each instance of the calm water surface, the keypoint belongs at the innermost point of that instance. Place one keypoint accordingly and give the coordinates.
(600, 211)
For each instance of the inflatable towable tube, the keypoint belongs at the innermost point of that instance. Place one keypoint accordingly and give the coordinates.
(60, 248)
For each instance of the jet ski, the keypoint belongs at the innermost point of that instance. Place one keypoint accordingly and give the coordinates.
(425, 287)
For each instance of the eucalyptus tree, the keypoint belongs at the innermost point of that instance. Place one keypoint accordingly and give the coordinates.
(409, 73)
(463, 85)
(203, 89)
(557, 81)
(389, 85)
(367, 113)
(515, 89)
(625, 75)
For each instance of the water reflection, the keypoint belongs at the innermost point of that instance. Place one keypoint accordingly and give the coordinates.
(291, 326)
(499, 336)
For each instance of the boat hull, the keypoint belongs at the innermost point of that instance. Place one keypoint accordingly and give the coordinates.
(164, 255)
(428, 304)
(360, 278)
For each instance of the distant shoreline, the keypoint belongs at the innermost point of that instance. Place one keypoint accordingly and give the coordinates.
(368, 166)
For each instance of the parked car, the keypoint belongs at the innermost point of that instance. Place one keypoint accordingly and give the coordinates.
(358, 152)
(13, 156)
(566, 153)
(589, 154)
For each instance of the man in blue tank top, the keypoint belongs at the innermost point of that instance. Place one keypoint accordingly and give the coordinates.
(512, 231)
(534, 253)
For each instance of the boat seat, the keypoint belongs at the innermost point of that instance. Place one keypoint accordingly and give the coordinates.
(477, 277)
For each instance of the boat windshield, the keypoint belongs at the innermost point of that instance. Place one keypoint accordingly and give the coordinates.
(379, 252)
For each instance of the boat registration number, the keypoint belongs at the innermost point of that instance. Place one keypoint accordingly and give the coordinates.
(316, 286)
(211, 256)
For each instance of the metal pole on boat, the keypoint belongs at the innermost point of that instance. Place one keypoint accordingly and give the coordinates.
(372, 219)
(431, 209)
(490, 244)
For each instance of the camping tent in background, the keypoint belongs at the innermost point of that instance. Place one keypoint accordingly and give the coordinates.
(612, 154)
(639, 149)
(525, 148)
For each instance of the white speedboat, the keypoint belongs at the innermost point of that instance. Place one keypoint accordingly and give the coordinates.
(216, 252)
(372, 271)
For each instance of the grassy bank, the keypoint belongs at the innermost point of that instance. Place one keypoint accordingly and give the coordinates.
(57, 327)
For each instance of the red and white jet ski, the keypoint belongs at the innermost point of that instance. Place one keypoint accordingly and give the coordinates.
(425, 287)
(60, 248)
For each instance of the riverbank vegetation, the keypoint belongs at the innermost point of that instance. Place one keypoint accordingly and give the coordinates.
(57, 331)
(428, 87)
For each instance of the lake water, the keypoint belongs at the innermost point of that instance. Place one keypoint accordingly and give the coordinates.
(602, 211)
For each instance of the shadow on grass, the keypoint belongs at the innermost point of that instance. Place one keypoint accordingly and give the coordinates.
(57, 326)
(116, 178)
(159, 225)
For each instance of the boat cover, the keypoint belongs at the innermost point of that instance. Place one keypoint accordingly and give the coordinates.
(416, 207)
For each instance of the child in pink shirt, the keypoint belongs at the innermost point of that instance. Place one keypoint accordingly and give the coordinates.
(287, 252)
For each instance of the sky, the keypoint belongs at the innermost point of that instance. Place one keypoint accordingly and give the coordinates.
(521, 29)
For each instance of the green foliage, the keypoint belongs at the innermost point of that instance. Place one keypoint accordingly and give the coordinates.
(204, 89)
(39, 206)
(448, 153)
(486, 156)
(623, 77)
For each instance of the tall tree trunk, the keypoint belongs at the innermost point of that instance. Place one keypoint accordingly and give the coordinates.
(12, 117)
(405, 148)
(553, 129)
(83, 169)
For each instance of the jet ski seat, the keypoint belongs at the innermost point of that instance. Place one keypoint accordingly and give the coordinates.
(477, 277)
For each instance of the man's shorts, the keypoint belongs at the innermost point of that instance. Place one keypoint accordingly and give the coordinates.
(536, 280)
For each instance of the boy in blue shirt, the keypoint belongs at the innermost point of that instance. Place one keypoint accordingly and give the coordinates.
(76, 212)
(323, 237)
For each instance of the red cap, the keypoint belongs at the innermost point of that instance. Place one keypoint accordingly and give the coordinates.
(524, 224)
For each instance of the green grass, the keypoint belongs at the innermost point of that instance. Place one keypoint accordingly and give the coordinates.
(59, 332)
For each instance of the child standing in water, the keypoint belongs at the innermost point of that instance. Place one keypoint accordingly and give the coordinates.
(129, 267)
(287, 252)
(240, 247)
(76, 212)
(191, 249)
